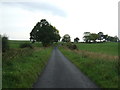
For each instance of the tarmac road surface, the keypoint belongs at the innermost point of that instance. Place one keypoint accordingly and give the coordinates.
(61, 73)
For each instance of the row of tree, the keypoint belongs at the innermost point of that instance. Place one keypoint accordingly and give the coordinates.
(67, 38)
(44, 32)
(93, 37)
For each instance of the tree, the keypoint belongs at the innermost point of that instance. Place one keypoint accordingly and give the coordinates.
(5, 43)
(105, 37)
(109, 38)
(76, 40)
(100, 34)
(86, 36)
(45, 33)
(56, 35)
(66, 38)
(116, 39)
(94, 37)
(112, 39)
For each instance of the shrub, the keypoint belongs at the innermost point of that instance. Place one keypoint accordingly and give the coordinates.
(72, 47)
(5, 44)
(26, 45)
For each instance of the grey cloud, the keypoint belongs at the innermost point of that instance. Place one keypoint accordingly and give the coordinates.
(33, 6)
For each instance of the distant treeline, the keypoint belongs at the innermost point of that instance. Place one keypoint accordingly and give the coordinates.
(92, 37)
(99, 37)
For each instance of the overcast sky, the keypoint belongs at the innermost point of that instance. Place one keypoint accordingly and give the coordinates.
(73, 17)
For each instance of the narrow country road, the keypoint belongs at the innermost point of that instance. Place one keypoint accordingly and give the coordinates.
(61, 73)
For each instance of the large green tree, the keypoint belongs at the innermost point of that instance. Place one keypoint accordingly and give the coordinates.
(45, 33)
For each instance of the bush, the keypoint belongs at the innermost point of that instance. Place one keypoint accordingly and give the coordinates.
(72, 46)
(5, 44)
(26, 45)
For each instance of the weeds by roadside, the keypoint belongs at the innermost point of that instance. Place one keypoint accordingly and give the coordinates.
(21, 66)
(103, 72)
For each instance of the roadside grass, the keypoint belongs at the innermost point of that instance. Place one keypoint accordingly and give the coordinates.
(94, 55)
(110, 48)
(102, 71)
(21, 67)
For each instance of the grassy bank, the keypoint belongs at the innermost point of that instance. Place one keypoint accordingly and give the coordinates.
(102, 71)
(21, 67)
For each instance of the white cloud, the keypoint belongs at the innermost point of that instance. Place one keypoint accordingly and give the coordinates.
(37, 7)
(72, 17)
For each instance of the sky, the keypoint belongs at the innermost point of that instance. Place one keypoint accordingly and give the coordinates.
(73, 17)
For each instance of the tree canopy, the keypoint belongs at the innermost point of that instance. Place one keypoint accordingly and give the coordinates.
(76, 40)
(100, 36)
(88, 37)
(45, 33)
(66, 38)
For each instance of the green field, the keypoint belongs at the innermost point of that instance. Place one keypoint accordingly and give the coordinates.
(110, 48)
(102, 71)
(21, 66)
(17, 43)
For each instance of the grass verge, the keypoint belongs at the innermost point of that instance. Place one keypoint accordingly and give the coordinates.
(21, 67)
(103, 72)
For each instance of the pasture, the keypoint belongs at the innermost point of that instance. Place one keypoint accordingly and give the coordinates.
(17, 43)
(110, 48)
